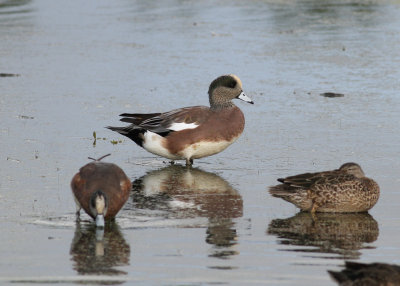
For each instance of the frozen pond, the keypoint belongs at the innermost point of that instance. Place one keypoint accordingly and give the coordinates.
(69, 68)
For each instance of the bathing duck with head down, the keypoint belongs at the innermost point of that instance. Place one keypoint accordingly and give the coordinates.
(191, 132)
(101, 189)
(343, 190)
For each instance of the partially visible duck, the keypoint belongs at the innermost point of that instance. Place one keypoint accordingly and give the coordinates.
(362, 274)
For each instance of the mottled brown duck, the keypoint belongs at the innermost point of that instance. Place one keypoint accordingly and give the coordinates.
(343, 190)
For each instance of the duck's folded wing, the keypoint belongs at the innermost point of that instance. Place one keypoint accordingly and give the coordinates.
(307, 180)
(335, 178)
(302, 180)
(164, 123)
(137, 118)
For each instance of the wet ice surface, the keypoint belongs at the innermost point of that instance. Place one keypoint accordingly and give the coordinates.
(80, 64)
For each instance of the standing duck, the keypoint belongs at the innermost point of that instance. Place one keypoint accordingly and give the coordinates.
(191, 132)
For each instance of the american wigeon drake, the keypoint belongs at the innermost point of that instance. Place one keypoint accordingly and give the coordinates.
(343, 190)
(363, 274)
(101, 189)
(191, 132)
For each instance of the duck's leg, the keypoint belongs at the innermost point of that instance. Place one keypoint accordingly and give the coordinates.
(314, 207)
(317, 201)
(189, 162)
(314, 199)
(78, 210)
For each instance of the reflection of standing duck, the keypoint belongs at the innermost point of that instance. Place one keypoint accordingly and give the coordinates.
(190, 193)
(361, 274)
(187, 192)
(342, 234)
(343, 190)
(98, 251)
(222, 234)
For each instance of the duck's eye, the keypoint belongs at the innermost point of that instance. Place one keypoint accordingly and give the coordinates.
(232, 84)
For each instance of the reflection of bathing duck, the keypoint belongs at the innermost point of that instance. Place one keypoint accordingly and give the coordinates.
(99, 250)
(374, 274)
(343, 190)
(191, 132)
(101, 189)
(341, 233)
(189, 191)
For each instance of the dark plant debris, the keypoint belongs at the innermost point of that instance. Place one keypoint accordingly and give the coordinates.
(332, 94)
(9, 74)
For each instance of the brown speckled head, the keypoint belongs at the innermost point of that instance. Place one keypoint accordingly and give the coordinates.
(353, 169)
(223, 89)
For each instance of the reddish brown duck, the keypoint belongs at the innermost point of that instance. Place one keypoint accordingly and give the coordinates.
(101, 189)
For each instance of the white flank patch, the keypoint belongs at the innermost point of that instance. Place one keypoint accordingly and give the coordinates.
(178, 126)
(205, 148)
(153, 143)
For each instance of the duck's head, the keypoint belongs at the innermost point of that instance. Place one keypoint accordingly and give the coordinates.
(98, 207)
(353, 169)
(225, 88)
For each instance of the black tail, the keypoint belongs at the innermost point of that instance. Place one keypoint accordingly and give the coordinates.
(338, 276)
(132, 132)
(280, 191)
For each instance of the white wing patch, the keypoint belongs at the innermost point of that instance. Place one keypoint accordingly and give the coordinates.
(182, 126)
